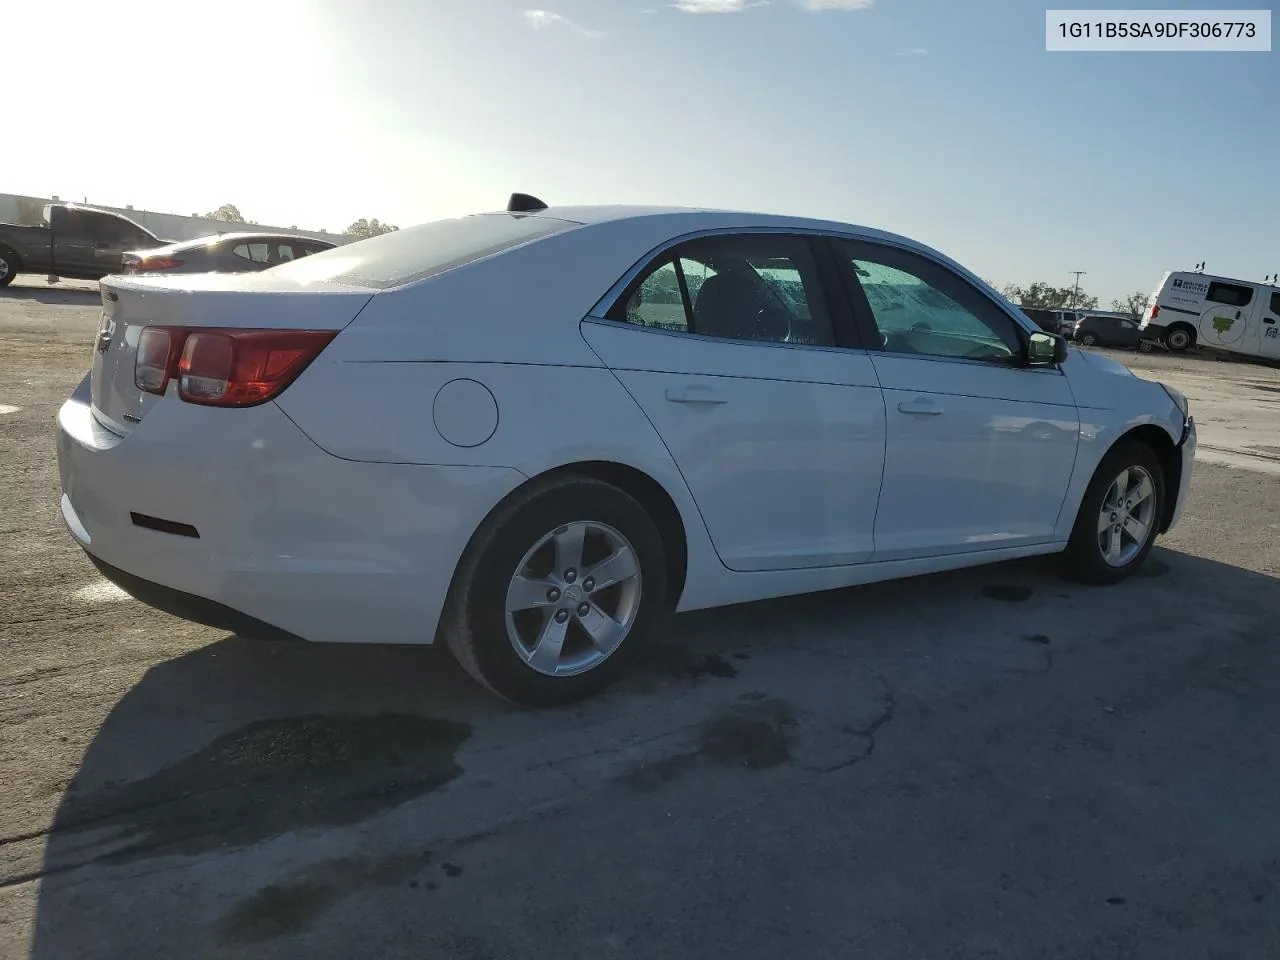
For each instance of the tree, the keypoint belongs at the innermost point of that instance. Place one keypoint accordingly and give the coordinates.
(1135, 304)
(227, 213)
(1047, 297)
(369, 228)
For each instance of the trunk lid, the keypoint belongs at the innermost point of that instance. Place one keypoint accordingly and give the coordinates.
(244, 301)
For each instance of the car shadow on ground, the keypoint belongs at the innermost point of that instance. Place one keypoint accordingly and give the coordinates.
(240, 742)
(51, 294)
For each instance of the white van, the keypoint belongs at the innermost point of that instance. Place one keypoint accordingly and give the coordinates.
(1189, 309)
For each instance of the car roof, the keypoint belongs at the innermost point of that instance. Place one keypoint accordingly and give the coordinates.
(709, 217)
(691, 219)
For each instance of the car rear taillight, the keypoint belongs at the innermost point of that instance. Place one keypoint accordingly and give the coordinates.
(1155, 311)
(225, 367)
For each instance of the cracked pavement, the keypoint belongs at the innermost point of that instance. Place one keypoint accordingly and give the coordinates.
(991, 763)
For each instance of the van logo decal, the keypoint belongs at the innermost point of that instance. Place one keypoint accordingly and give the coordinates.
(1223, 324)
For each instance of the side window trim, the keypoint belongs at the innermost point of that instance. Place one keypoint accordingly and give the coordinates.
(685, 300)
(867, 325)
(857, 305)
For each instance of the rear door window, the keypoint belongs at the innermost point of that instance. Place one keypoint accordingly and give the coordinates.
(764, 287)
(257, 252)
(1232, 294)
(106, 229)
(1275, 303)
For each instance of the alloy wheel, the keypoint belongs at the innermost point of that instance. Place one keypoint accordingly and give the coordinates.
(573, 598)
(1127, 515)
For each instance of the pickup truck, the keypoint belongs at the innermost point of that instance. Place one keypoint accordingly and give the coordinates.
(79, 243)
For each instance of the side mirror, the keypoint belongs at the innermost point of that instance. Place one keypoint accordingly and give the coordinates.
(1044, 349)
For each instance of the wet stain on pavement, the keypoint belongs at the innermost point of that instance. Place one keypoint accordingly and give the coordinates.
(273, 776)
(756, 736)
(451, 870)
(682, 664)
(711, 665)
(284, 909)
(1007, 593)
(756, 742)
(1039, 638)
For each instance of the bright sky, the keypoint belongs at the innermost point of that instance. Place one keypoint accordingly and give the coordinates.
(940, 119)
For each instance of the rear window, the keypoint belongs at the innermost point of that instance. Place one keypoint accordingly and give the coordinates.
(417, 253)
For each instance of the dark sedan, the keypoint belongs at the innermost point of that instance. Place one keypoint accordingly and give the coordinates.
(224, 253)
(1107, 331)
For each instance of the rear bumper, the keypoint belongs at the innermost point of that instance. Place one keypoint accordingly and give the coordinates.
(187, 606)
(291, 540)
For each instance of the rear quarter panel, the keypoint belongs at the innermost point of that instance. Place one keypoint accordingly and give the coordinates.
(512, 324)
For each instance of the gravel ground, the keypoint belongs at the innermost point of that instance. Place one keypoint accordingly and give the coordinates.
(990, 763)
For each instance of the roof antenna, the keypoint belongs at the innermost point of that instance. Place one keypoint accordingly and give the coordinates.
(524, 203)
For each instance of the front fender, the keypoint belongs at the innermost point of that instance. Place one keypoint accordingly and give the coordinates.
(1112, 403)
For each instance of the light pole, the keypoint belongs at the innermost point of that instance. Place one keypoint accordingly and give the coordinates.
(1075, 292)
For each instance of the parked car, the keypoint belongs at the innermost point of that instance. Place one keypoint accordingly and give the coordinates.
(1047, 320)
(1110, 331)
(224, 253)
(1194, 309)
(1053, 321)
(75, 242)
(500, 431)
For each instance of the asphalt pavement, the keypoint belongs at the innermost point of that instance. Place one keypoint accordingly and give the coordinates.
(986, 764)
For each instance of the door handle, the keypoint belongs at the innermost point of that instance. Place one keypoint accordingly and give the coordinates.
(693, 394)
(1269, 320)
(921, 406)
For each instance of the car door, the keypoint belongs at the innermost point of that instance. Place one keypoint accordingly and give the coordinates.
(1270, 343)
(735, 349)
(73, 252)
(979, 448)
(1127, 332)
(108, 234)
(1224, 318)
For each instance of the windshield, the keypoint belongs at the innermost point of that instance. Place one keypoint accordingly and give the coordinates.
(416, 253)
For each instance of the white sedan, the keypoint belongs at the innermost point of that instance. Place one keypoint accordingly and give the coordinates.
(532, 433)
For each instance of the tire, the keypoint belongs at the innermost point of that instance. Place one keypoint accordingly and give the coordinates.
(1085, 559)
(498, 648)
(1089, 340)
(1144, 346)
(1179, 338)
(8, 267)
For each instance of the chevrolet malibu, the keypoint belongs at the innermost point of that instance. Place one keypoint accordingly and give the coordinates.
(532, 433)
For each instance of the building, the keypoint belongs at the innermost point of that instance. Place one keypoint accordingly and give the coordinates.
(15, 208)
